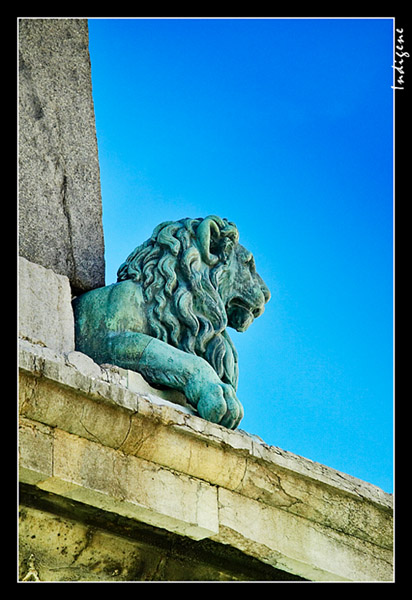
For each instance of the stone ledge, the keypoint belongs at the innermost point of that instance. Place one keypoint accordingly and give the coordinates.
(117, 482)
(136, 454)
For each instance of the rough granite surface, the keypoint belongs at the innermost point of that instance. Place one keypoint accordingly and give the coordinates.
(60, 209)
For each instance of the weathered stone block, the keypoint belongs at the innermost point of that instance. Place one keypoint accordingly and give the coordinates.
(317, 552)
(35, 451)
(60, 211)
(45, 310)
(135, 488)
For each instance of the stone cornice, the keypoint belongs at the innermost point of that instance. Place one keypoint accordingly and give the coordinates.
(104, 437)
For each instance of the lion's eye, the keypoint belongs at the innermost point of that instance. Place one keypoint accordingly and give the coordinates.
(249, 260)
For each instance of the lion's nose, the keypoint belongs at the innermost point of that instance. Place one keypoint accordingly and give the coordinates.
(257, 312)
(265, 292)
(263, 289)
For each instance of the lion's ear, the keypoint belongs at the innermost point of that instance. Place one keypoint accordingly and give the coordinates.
(205, 231)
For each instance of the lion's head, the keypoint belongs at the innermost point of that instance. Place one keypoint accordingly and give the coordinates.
(197, 280)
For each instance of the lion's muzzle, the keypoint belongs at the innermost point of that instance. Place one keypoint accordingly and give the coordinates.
(243, 310)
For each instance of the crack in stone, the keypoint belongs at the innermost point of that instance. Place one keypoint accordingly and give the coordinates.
(86, 429)
(119, 447)
(66, 212)
(157, 574)
(89, 538)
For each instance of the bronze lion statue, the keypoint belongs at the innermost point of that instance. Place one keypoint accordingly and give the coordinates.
(166, 317)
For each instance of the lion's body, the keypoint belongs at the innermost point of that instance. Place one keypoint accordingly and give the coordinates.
(182, 288)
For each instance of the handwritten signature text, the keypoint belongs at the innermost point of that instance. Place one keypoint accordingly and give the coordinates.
(401, 55)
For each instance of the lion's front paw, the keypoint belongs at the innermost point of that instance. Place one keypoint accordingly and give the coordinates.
(215, 401)
(218, 403)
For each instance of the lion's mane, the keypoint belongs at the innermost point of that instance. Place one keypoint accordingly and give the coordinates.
(181, 289)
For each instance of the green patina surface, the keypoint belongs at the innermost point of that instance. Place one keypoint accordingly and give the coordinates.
(166, 317)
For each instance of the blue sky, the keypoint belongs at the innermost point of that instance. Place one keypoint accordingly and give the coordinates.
(285, 127)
